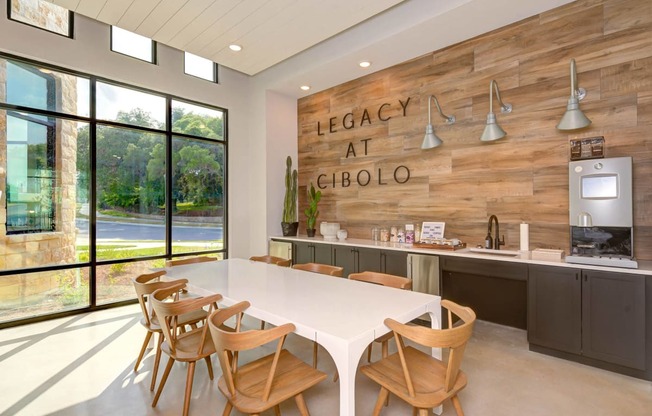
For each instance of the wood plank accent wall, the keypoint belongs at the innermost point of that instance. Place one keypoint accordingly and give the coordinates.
(523, 177)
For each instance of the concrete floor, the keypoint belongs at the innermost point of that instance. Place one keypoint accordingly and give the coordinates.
(82, 365)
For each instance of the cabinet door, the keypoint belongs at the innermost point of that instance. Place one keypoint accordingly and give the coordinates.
(345, 256)
(613, 310)
(555, 308)
(368, 260)
(495, 290)
(393, 262)
(322, 254)
(302, 253)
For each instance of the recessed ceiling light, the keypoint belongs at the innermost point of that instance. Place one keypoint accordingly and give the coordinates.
(365, 64)
(235, 48)
(305, 87)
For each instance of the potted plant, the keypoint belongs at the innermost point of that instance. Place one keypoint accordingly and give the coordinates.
(290, 224)
(311, 212)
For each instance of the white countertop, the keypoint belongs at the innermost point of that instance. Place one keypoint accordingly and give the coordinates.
(644, 267)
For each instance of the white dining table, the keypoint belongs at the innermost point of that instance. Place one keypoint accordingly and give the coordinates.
(343, 316)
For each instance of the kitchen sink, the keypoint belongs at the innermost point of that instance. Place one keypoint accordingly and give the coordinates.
(506, 253)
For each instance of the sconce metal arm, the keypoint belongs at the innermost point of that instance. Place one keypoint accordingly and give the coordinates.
(504, 108)
(580, 93)
(449, 119)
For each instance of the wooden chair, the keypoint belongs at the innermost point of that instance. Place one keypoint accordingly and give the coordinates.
(414, 376)
(320, 268)
(185, 346)
(272, 260)
(388, 280)
(145, 285)
(189, 260)
(266, 382)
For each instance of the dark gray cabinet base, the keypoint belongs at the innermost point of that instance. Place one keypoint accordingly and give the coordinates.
(496, 291)
(598, 318)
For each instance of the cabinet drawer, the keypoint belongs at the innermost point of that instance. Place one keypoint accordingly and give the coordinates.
(479, 267)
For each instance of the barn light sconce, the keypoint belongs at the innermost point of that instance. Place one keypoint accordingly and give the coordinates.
(574, 118)
(492, 130)
(431, 140)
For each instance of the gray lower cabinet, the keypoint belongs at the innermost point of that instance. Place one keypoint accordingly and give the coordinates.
(360, 259)
(555, 308)
(394, 262)
(495, 290)
(311, 253)
(613, 317)
(595, 314)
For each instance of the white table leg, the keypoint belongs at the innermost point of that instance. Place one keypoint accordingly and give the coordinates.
(346, 358)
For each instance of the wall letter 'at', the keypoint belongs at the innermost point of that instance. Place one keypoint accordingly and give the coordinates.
(350, 150)
(365, 145)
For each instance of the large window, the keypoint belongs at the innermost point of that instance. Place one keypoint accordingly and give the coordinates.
(42, 14)
(88, 203)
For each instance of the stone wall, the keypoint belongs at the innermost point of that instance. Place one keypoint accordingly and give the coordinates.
(48, 248)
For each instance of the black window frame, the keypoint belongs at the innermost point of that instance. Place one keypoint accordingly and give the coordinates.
(215, 79)
(154, 60)
(93, 263)
(71, 22)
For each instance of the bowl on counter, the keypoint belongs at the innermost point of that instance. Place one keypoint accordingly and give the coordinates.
(329, 230)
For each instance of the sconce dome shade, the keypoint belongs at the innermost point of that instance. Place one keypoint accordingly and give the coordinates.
(431, 140)
(573, 118)
(492, 130)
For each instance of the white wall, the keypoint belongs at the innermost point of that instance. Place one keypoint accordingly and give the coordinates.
(89, 52)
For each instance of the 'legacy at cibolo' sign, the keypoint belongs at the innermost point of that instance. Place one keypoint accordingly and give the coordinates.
(363, 177)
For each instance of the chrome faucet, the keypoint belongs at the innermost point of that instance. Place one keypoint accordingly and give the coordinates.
(491, 242)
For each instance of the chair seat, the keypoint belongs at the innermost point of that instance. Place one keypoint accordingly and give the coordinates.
(428, 375)
(186, 346)
(292, 376)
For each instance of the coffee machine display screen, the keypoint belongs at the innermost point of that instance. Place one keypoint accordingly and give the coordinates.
(600, 186)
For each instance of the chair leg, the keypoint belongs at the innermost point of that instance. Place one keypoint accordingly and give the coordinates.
(369, 352)
(227, 409)
(166, 373)
(157, 360)
(301, 404)
(457, 405)
(189, 377)
(210, 367)
(315, 346)
(277, 410)
(414, 411)
(423, 412)
(336, 376)
(385, 349)
(382, 396)
(148, 336)
(262, 325)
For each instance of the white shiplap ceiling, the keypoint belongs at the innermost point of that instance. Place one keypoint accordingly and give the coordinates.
(270, 31)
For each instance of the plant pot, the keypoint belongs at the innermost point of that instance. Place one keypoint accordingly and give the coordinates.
(289, 228)
(310, 232)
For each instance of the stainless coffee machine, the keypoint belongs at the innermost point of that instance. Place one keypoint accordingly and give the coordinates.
(601, 219)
